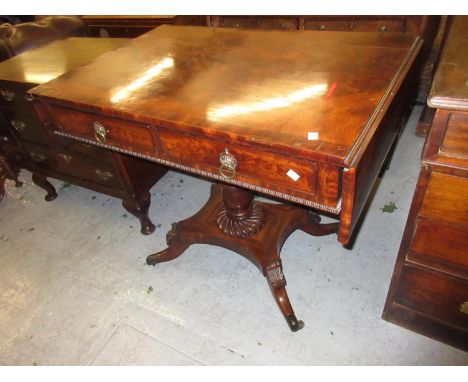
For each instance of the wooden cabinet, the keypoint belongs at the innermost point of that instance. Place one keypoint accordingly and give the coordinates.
(429, 288)
(133, 26)
(47, 155)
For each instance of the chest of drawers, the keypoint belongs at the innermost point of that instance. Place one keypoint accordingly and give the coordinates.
(429, 288)
(46, 155)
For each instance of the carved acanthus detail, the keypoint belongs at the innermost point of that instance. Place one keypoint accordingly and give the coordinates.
(274, 273)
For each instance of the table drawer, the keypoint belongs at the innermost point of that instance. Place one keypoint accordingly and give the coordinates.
(440, 245)
(119, 133)
(434, 294)
(103, 173)
(254, 166)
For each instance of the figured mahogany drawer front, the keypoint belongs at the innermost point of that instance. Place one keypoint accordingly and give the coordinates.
(26, 126)
(446, 199)
(440, 245)
(131, 136)
(253, 166)
(435, 295)
(75, 165)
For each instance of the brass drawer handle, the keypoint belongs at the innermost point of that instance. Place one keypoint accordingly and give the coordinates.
(284, 26)
(66, 158)
(321, 27)
(19, 125)
(28, 97)
(38, 157)
(100, 132)
(87, 145)
(104, 175)
(228, 164)
(464, 307)
(383, 28)
(8, 95)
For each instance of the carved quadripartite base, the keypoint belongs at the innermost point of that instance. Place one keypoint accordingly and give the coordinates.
(262, 247)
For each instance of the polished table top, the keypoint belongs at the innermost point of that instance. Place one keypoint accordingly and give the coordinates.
(314, 93)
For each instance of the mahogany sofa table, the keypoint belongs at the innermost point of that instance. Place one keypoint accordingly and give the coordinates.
(301, 116)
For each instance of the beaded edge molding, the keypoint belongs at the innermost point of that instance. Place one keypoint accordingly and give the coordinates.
(334, 210)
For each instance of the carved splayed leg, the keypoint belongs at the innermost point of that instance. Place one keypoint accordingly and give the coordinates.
(313, 226)
(175, 248)
(277, 282)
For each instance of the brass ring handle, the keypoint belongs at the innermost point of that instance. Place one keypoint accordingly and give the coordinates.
(100, 132)
(104, 175)
(29, 97)
(383, 28)
(19, 125)
(7, 94)
(228, 164)
(322, 27)
(66, 157)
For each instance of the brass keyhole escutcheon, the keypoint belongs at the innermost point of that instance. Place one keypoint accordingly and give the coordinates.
(228, 164)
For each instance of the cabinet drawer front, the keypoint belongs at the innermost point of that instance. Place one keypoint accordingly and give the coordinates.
(85, 149)
(283, 23)
(328, 25)
(12, 97)
(75, 165)
(26, 126)
(379, 26)
(435, 295)
(252, 22)
(119, 133)
(106, 31)
(446, 199)
(440, 245)
(358, 25)
(254, 166)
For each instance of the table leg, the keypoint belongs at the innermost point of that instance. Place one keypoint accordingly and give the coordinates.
(41, 181)
(232, 219)
(139, 207)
